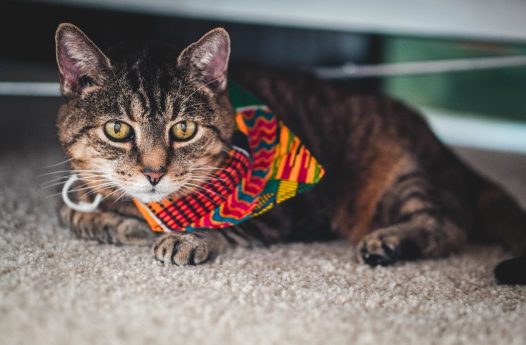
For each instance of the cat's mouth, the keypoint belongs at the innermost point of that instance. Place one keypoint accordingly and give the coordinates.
(155, 193)
(159, 192)
(151, 195)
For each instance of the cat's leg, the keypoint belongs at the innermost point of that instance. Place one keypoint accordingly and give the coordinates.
(107, 227)
(178, 248)
(424, 236)
(198, 246)
(189, 248)
(415, 221)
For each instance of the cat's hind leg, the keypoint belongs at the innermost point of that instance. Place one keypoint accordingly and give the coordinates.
(414, 220)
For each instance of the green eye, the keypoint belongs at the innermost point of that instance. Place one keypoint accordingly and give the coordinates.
(118, 131)
(184, 130)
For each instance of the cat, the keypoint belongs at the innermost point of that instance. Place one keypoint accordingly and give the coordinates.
(140, 124)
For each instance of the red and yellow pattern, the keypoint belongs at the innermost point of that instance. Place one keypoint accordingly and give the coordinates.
(274, 167)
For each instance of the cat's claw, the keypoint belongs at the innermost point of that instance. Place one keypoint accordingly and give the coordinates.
(384, 249)
(379, 250)
(182, 249)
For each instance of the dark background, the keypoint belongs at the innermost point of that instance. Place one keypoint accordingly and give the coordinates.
(27, 54)
(27, 33)
(27, 36)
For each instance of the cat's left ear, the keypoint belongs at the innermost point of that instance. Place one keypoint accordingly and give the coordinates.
(208, 58)
(80, 62)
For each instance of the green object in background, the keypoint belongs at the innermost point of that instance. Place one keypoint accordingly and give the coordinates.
(496, 93)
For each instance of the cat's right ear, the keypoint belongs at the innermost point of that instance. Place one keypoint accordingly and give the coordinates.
(207, 59)
(81, 64)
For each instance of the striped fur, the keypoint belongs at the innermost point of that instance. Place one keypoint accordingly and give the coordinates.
(390, 187)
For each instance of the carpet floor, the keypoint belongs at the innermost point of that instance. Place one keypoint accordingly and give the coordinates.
(55, 289)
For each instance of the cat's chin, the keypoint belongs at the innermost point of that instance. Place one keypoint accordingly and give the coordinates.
(151, 196)
(147, 194)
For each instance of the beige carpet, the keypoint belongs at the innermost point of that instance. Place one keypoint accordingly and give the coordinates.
(55, 289)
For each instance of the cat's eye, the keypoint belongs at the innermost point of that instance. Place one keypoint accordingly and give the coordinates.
(118, 131)
(184, 130)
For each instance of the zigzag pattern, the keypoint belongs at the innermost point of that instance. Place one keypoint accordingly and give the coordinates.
(278, 168)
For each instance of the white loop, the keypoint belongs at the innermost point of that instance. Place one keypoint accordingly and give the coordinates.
(81, 206)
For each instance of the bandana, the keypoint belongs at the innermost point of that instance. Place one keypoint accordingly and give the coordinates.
(266, 164)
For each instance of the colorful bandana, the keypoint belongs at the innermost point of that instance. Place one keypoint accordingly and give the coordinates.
(266, 165)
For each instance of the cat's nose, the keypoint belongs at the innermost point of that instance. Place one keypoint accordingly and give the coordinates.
(153, 176)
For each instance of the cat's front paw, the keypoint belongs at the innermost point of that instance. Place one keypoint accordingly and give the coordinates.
(183, 249)
(382, 248)
(375, 249)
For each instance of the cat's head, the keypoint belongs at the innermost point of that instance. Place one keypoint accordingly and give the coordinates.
(145, 125)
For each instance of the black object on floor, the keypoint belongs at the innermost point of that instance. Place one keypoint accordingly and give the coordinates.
(512, 271)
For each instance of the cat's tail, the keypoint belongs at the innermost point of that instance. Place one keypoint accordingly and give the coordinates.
(502, 219)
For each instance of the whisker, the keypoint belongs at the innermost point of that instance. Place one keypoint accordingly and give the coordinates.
(92, 190)
(192, 190)
(209, 178)
(64, 178)
(206, 189)
(96, 188)
(199, 89)
(122, 196)
(208, 169)
(93, 179)
(69, 171)
(51, 196)
(82, 183)
(47, 186)
(52, 183)
(205, 180)
(115, 191)
(59, 163)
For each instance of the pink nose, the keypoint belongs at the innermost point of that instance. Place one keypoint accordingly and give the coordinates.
(153, 176)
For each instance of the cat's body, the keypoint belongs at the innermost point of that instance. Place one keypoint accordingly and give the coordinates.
(391, 187)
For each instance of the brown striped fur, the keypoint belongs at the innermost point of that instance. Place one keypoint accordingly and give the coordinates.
(391, 187)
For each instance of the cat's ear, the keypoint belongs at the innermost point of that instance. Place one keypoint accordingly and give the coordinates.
(208, 58)
(81, 63)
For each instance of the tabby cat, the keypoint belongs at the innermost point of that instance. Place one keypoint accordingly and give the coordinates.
(148, 123)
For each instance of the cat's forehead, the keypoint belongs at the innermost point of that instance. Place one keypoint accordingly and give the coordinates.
(146, 86)
(148, 90)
